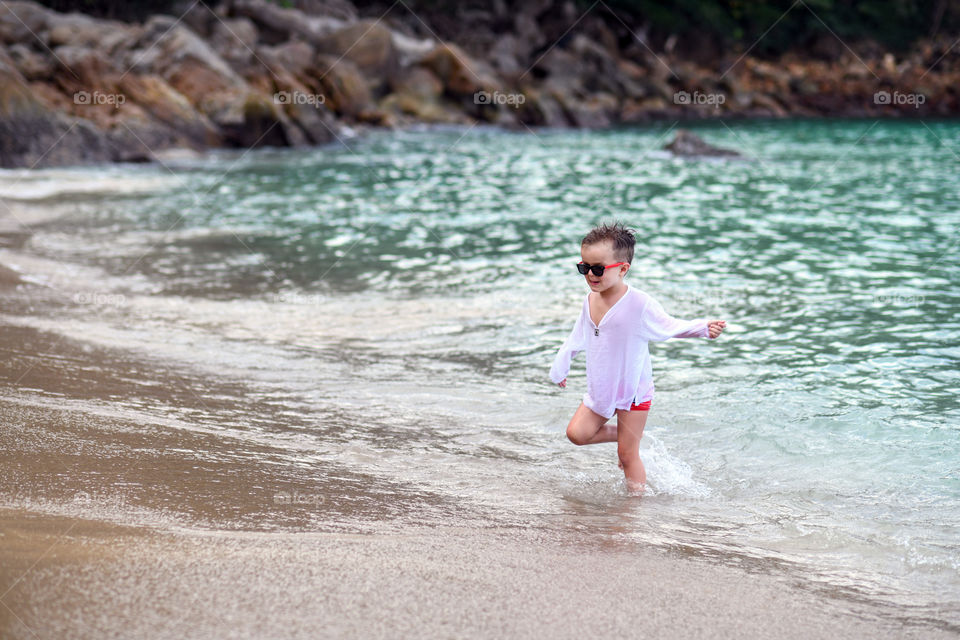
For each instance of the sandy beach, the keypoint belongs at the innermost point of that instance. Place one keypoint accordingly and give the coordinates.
(76, 578)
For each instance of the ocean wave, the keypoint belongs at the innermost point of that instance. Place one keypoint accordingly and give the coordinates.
(54, 184)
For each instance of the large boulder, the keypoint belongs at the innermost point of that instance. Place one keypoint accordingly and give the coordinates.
(167, 47)
(278, 24)
(598, 67)
(541, 109)
(633, 80)
(312, 118)
(343, 86)
(301, 101)
(418, 93)
(410, 50)
(31, 135)
(166, 105)
(461, 75)
(187, 63)
(136, 136)
(526, 24)
(83, 69)
(369, 45)
(768, 105)
(564, 76)
(31, 64)
(597, 111)
(296, 57)
(235, 40)
(505, 55)
(418, 82)
(79, 30)
(22, 22)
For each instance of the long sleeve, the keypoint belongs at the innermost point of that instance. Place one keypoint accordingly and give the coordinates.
(574, 344)
(657, 325)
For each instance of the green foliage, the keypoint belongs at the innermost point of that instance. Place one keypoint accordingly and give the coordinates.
(116, 9)
(775, 26)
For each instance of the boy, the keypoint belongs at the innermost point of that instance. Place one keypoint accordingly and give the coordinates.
(616, 322)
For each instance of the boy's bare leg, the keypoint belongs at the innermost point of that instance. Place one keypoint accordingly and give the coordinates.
(587, 427)
(630, 426)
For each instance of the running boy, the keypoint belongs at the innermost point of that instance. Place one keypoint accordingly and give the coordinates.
(615, 324)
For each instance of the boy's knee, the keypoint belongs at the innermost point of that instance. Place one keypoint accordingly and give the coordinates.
(627, 456)
(574, 436)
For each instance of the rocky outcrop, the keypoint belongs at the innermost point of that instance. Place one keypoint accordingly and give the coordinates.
(246, 73)
(33, 134)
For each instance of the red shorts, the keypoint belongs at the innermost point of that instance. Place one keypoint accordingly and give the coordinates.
(643, 406)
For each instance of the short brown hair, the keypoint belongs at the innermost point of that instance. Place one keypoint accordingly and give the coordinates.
(620, 236)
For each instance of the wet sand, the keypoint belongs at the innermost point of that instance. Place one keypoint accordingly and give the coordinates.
(64, 577)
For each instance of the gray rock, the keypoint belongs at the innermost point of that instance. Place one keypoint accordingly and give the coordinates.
(79, 30)
(689, 144)
(165, 45)
(235, 39)
(31, 135)
(296, 57)
(410, 50)
(279, 24)
(23, 22)
(369, 45)
(34, 66)
(304, 112)
(541, 109)
(506, 53)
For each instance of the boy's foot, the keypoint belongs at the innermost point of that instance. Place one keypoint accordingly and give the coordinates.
(635, 489)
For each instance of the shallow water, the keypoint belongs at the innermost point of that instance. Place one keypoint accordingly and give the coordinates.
(353, 337)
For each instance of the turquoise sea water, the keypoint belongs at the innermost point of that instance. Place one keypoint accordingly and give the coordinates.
(396, 302)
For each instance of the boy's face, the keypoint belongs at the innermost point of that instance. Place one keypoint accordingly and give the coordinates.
(602, 253)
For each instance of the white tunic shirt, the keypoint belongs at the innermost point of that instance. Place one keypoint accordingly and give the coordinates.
(619, 373)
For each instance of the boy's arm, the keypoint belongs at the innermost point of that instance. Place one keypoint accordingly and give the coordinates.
(657, 325)
(574, 344)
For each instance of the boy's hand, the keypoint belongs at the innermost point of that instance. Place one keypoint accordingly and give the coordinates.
(716, 327)
(563, 382)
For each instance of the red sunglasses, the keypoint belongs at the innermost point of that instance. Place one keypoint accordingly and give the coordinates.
(597, 269)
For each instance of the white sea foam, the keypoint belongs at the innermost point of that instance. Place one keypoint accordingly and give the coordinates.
(49, 184)
(668, 474)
